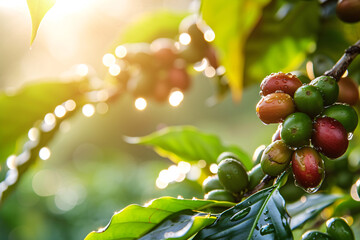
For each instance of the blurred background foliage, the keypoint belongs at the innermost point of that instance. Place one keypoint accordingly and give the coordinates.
(92, 171)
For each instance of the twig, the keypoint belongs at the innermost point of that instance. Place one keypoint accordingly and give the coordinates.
(260, 186)
(340, 67)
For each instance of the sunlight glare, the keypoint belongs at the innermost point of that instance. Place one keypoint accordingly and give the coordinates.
(88, 110)
(60, 111)
(184, 39)
(108, 59)
(44, 153)
(120, 51)
(114, 69)
(176, 98)
(209, 35)
(140, 104)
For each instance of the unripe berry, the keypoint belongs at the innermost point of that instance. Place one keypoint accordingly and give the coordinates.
(345, 114)
(232, 175)
(211, 183)
(225, 155)
(308, 100)
(315, 235)
(328, 88)
(220, 195)
(296, 130)
(276, 158)
(337, 228)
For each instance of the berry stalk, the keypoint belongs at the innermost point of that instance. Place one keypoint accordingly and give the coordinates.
(340, 67)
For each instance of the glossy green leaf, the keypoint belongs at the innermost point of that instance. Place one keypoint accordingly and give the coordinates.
(153, 25)
(232, 22)
(308, 208)
(261, 216)
(159, 215)
(282, 39)
(186, 143)
(21, 110)
(38, 9)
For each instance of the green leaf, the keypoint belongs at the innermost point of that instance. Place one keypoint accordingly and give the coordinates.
(160, 24)
(261, 216)
(21, 110)
(274, 46)
(308, 208)
(186, 143)
(232, 22)
(134, 221)
(38, 9)
(180, 226)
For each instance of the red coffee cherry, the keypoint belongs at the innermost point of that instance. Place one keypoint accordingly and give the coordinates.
(276, 136)
(308, 168)
(280, 82)
(179, 78)
(329, 137)
(348, 91)
(275, 107)
(164, 51)
(348, 10)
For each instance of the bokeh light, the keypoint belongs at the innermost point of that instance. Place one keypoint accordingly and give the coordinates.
(140, 104)
(60, 111)
(120, 51)
(185, 39)
(44, 153)
(209, 35)
(88, 110)
(176, 98)
(108, 59)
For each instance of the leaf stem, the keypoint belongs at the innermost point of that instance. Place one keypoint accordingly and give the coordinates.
(340, 67)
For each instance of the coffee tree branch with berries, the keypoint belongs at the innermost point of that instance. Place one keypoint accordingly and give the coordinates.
(301, 185)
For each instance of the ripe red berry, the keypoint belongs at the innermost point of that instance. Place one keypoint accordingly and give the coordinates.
(179, 78)
(308, 168)
(280, 82)
(275, 107)
(348, 91)
(329, 137)
(348, 10)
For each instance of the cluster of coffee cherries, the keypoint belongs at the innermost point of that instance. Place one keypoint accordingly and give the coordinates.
(158, 69)
(232, 180)
(336, 228)
(316, 120)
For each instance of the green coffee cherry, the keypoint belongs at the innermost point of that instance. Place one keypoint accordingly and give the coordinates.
(308, 99)
(225, 155)
(344, 114)
(220, 195)
(296, 130)
(211, 183)
(255, 176)
(328, 88)
(232, 175)
(276, 158)
(258, 153)
(337, 228)
(315, 235)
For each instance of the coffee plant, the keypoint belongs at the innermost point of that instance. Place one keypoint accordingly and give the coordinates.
(299, 56)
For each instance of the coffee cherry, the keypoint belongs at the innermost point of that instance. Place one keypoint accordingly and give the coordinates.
(162, 90)
(321, 63)
(211, 183)
(280, 82)
(220, 195)
(329, 137)
(345, 114)
(141, 85)
(296, 130)
(276, 158)
(179, 78)
(275, 107)
(225, 155)
(258, 154)
(164, 51)
(212, 58)
(302, 76)
(308, 168)
(308, 99)
(348, 91)
(337, 228)
(191, 53)
(328, 88)
(276, 135)
(232, 175)
(348, 10)
(255, 176)
(315, 235)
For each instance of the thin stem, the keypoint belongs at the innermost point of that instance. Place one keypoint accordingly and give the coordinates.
(340, 67)
(260, 186)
